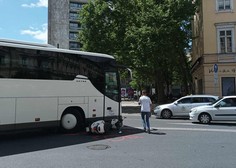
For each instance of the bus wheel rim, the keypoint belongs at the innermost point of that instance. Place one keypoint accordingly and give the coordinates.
(69, 121)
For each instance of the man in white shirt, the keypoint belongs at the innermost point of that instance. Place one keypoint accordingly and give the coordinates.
(145, 103)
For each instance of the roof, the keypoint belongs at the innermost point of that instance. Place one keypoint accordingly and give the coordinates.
(48, 47)
(201, 95)
(231, 96)
(8, 41)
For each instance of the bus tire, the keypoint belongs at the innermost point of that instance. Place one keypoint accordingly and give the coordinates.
(71, 121)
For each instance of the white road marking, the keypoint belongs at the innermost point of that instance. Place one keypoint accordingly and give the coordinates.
(191, 129)
(189, 124)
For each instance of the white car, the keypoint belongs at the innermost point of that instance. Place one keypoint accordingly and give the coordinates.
(182, 106)
(222, 110)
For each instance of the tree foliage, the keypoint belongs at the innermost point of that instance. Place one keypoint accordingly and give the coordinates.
(150, 36)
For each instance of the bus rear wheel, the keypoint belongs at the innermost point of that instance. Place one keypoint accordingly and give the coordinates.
(71, 121)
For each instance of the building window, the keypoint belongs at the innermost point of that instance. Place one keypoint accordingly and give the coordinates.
(228, 86)
(75, 6)
(74, 46)
(225, 40)
(224, 5)
(74, 26)
(73, 36)
(74, 16)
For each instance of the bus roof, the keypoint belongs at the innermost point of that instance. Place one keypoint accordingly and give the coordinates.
(47, 47)
(25, 43)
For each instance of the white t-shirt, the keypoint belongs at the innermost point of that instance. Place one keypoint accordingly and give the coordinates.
(145, 102)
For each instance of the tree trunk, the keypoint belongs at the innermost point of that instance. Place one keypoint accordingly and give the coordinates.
(160, 89)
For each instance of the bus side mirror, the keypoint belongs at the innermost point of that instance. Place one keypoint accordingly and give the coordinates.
(130, 74)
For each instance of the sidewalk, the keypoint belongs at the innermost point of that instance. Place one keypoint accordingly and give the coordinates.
(129, 103)
(130, 107)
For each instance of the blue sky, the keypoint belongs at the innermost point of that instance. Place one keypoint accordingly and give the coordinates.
(24, 20)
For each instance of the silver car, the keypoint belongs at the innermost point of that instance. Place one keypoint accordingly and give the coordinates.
(222, 110)
(182, 106)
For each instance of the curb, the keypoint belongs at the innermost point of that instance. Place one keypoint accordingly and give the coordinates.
(130, 109)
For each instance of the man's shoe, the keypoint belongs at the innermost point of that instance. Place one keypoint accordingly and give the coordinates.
(149, 131)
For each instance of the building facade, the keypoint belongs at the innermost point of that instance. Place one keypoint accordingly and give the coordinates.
(214, 47)
(63, 23)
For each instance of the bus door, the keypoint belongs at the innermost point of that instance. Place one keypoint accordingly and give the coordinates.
(112, 95)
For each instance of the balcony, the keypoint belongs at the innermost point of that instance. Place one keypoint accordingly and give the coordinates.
(214, 58)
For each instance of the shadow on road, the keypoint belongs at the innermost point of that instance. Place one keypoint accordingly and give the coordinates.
(17, 143)
(156, 132)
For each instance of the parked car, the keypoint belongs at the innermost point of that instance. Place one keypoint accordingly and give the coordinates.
(182, 106)
(222, 110)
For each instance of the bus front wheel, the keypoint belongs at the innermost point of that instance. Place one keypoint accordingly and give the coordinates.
(71, 121)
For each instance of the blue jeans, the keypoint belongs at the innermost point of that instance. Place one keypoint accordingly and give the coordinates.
(145, 118)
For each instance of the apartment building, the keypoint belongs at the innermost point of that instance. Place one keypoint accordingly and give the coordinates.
(214, 47)
(63, 23)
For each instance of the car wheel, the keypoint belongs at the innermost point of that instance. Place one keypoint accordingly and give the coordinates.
(166, 114)
(205, 118)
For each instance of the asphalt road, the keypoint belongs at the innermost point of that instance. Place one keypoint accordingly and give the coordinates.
(174, 143)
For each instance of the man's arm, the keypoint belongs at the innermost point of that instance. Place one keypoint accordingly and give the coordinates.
(139, 101)
(151, 108)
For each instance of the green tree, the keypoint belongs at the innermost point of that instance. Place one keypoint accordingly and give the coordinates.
(147, 35)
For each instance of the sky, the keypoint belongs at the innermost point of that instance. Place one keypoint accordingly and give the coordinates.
(24, 20)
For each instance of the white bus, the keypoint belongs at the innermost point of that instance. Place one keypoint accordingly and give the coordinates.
(43, 86)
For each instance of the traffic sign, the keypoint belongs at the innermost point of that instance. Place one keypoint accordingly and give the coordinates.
(215, 68)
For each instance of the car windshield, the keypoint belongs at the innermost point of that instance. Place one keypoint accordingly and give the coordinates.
(215, 101)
